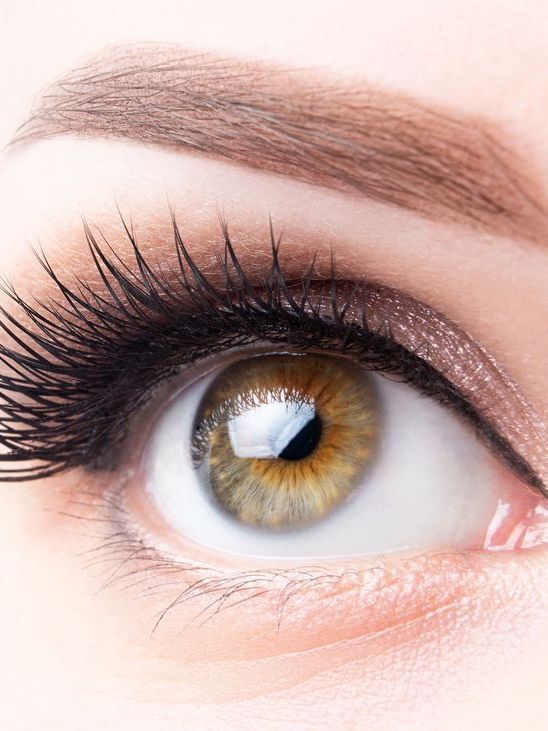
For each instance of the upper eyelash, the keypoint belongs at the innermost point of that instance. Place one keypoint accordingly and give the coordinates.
(86, 361)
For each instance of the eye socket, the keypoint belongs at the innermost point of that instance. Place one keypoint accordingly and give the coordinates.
(388, 470)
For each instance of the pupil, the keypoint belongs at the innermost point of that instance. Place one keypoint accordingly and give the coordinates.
(305, 442)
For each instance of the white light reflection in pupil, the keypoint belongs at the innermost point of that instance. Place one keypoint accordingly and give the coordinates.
(275, 429)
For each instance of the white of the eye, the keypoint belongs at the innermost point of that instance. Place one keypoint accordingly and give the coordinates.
(265, 430)
(431, 486)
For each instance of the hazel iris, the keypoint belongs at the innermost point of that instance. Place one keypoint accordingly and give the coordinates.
(280, 440)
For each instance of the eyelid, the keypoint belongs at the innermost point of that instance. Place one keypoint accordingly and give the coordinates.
(135, 298)
(302, 600)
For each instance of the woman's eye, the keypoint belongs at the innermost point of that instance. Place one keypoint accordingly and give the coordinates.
(343, 421)
(286, 454)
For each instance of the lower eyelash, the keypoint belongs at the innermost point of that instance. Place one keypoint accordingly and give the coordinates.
(122, 559)
(86, 362)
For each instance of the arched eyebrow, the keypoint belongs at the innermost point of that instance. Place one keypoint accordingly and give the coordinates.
(362, 141)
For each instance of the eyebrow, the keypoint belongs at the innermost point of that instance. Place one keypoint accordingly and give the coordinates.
(363, 141)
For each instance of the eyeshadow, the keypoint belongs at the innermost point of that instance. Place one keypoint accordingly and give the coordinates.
(467, 364)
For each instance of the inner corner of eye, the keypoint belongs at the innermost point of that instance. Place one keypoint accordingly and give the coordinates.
(285, 454)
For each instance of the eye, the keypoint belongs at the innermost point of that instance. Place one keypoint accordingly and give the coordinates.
(310, 455)
(344, 419)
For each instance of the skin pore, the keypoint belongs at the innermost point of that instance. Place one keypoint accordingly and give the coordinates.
(424, 643)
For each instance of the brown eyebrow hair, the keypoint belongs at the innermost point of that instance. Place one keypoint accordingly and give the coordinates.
(363, 141)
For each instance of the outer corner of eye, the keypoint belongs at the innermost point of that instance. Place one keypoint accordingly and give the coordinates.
(304, 455)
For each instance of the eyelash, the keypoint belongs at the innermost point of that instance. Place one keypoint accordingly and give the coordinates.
(126, 560)
(91, 360)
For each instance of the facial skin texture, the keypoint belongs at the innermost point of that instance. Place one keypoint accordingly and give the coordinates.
(470, 651)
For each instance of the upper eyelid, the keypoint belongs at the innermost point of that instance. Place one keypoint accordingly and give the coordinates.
(388, 147)
(134, 288)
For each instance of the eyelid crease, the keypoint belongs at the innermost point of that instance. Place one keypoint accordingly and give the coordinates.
(94, 350)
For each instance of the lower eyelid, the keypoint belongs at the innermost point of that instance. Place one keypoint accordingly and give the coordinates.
(298, 606)
(382, 601)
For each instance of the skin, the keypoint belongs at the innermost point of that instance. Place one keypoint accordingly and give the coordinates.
(452, 642)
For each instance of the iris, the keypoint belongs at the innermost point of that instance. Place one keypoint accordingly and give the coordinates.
(281, 440)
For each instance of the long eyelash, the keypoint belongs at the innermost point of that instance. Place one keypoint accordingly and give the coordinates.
(87, 361)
